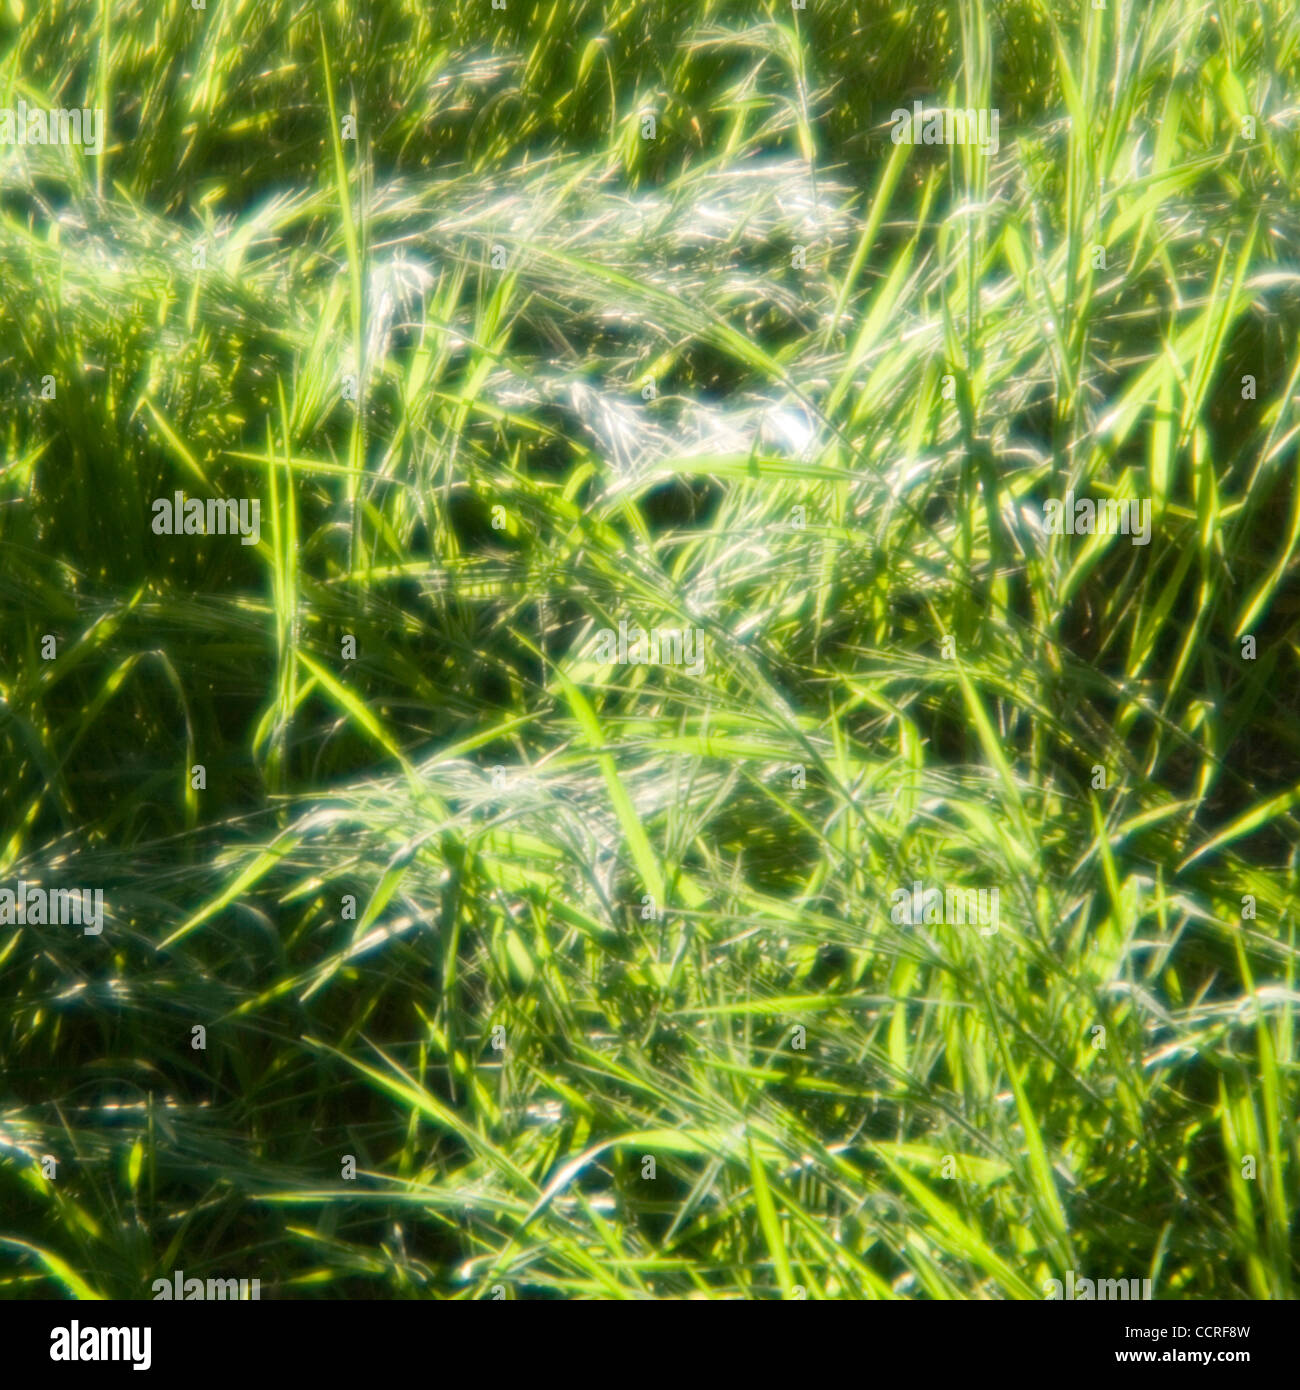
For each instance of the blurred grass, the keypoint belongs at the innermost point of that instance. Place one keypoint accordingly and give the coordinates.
(954, 353)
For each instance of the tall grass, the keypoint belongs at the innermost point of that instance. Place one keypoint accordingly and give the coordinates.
(598, 908)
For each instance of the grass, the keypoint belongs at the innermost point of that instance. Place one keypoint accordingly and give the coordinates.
(503, 924)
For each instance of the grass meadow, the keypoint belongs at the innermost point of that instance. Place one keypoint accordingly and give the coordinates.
(474, 965)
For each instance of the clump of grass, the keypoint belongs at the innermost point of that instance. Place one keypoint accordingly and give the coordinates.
(502, 924)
